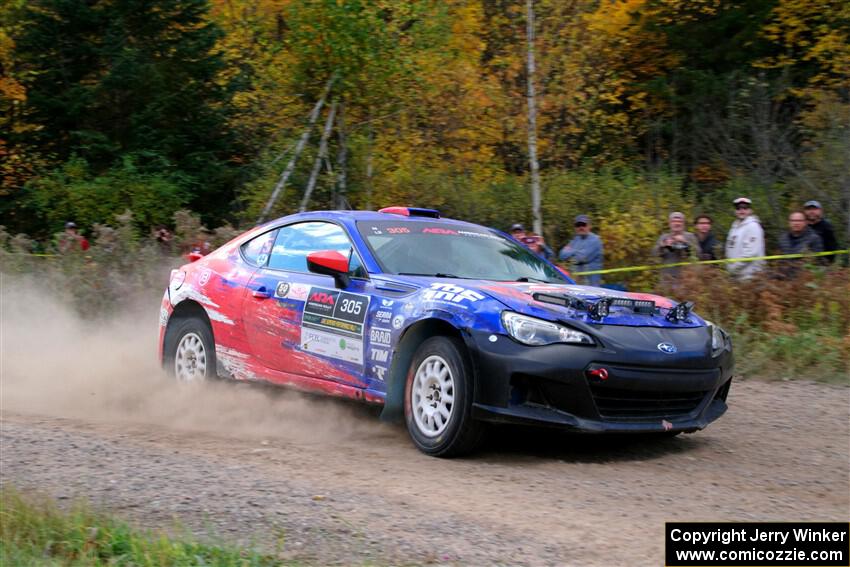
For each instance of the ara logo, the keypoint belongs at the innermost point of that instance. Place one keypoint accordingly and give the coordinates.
(451, 292)
(380, 355)
(379, 372)
(322, 297)
(667, 348)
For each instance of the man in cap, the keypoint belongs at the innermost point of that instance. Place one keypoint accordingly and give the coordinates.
(823, 228)
(745, 240)
(584, 250)
(678, 245)
(536, 243)
(517, 232)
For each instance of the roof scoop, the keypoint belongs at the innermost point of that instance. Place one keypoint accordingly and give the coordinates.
(411, 212)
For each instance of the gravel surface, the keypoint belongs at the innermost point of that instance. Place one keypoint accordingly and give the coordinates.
(528, 498)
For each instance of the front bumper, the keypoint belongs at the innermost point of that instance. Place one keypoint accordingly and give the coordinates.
(645, 390)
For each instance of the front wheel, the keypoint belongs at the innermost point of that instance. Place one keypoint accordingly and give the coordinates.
(438, 399)
(191, 351)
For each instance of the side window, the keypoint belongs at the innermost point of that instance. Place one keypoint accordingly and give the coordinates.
(296, 241)
(256, 251)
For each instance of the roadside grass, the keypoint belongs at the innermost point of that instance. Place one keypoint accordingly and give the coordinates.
(34, 531)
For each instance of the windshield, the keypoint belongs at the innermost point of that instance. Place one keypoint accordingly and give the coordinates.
(444, 250)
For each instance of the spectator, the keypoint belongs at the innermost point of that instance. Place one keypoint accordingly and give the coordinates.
(517, 232)
(800, 239)
(164, 239)
(814, 215)
(676, 245)
(745, 240)
(534, 242)
(71, 240)
(584, 250)
(708, 244)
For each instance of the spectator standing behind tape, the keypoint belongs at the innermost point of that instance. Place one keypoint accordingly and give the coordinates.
(745, 240)
(534, 242)
(678, 245)
(584, 250)
(800, 239)
(71, 240)
(708, 245)
(814, 215)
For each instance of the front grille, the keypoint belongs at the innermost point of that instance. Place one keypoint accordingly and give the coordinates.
(616, 403)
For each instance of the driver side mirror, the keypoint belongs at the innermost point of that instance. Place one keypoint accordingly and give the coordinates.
(330, 263)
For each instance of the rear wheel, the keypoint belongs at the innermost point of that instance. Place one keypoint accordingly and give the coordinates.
(438, 399)
(191, 351)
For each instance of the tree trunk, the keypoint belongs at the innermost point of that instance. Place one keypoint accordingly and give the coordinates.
(532, 125)
(290, 167)
(317, 165)
(369, 169)
(341, 161)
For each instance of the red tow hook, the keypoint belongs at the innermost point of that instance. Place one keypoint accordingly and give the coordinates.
(598, 373)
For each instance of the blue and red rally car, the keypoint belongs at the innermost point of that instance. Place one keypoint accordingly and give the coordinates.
(447, 323)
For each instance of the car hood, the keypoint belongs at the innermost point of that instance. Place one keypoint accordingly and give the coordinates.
(520, 297)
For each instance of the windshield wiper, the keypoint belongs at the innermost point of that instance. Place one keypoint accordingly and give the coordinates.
(437, 275)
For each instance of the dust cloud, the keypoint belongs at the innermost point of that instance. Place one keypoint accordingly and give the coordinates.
(55, 363)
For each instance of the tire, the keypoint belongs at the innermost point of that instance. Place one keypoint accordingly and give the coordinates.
(190, 351)
(438, 399)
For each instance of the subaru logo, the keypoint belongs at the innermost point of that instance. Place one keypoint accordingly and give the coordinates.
(667, 348)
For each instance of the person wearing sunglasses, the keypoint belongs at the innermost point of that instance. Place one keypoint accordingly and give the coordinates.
(745, 240)
(584, 250)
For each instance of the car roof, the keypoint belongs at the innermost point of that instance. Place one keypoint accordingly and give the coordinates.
(351, 217)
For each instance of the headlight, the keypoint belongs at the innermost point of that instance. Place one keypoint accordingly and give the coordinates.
(536, 332)
(719, 339)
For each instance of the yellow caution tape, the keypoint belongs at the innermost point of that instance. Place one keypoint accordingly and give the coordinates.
(706, 262)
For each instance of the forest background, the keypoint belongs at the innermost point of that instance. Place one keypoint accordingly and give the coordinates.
(644, 107)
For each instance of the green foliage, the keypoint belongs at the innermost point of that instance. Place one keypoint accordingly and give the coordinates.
(34, 531)
(136, 77)
(73, 192)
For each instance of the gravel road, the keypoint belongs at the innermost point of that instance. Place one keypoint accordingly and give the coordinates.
(335, 487)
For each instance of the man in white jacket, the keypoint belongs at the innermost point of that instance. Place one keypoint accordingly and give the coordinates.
(745, 240)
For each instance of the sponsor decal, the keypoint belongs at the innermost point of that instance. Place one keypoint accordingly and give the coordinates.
(667, 348)
(321, 301)
(434, 230)
(384, 316)
(450, 293)
(407, 309)
(378, 336)
(387, 302)
(376, 230)
(398, 230)
(332, 323)
(298, 292)
(261, 259)
(332, 345)
(204, 277)
(666, 425)
(398, 321)
(479, 234)
(379, 372)
(282, 289)
(379, 354)
(163, 316)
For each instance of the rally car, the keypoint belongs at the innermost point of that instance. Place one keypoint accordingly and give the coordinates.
(446, 323)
